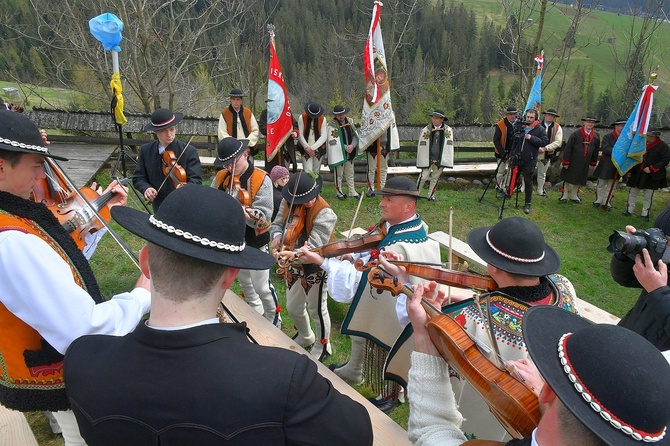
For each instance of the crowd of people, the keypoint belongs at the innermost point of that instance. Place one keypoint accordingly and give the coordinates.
(112, 376)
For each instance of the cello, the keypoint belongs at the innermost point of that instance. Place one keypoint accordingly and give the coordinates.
(511, 401)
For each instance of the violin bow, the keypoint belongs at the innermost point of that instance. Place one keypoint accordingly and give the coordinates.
(176, 162)
(353, 220)
(107, 226)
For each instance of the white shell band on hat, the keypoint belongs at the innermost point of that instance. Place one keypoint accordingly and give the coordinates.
(22, 145)
(202, 240)
(511, 257)
(307, 192)
(636, 434)
(232, 155)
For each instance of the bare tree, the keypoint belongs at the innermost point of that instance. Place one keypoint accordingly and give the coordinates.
(165, 44)
(640, 50)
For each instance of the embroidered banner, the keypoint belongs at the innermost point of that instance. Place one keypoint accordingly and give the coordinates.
(280, 122)
(377, 113)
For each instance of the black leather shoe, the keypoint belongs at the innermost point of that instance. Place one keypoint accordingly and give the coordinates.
(341, 196)
(500, 194)
(562, 200)
(576, 201)
(432, 198)
(526, 209)
(626, 213)
(384, 404)
(645, 218)
(369, 193)
(596, 205)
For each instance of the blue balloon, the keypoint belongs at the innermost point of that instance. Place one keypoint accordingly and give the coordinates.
(107, 28)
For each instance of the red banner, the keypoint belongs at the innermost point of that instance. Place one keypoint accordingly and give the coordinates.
(280, 123)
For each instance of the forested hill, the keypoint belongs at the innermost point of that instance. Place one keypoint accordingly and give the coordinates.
(470, 59)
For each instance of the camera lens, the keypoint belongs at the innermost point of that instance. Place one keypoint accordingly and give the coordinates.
(626, 243)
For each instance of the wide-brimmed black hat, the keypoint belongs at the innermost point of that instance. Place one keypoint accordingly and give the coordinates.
(620, 121)
(654, 131)
(612, 379)
(228, 149)
(18, 133)
(399, 186)
(301, 188)
(591, 118)
(313, 110)
(200, 222)
(551, 111)
(236, 93)
(515, 245)
(439, 114)
(340, 110)
(511, 109)
(162, 118)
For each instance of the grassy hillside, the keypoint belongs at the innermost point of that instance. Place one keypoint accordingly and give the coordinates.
(592, 49)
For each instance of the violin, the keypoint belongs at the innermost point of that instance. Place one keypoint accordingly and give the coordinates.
(292, 231)
(59, 194)
(366, 242)
(172, 170)
(440, 275)
(77, 218)
(243, 195)
(511, 401)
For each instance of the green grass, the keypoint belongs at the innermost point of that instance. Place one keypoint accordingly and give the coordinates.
(579, 234)
(592, 49)
(31, 95)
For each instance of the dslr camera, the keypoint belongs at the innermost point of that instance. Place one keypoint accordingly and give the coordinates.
(632, 244)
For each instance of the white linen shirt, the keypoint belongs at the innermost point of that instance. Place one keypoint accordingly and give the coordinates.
(37, 286)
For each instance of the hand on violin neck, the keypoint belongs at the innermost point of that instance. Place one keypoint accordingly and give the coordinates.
(120, 194)
(308, 256)
(419, 317)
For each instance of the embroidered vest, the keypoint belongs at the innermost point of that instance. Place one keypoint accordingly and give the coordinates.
(31, 370)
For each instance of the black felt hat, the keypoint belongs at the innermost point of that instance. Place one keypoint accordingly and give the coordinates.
(591, 118)
(301, 188)
(551, 111)
(515, 245)
(620, 121)
(200, 222)
(439, 114)
(18, 133)
(228, 149)
(612, 380)
(399, 186)
(340, 110)
(236, 93)
(654, 131)
(162, 118)
(313, 110)
(511, 110)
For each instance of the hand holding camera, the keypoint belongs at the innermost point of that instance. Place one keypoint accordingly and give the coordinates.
(648, 249)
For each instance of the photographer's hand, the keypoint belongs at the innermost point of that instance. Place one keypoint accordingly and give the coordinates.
(650, 278)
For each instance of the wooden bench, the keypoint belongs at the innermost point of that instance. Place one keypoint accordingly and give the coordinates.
(261, 331)
(14, 429)
(463, 252)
